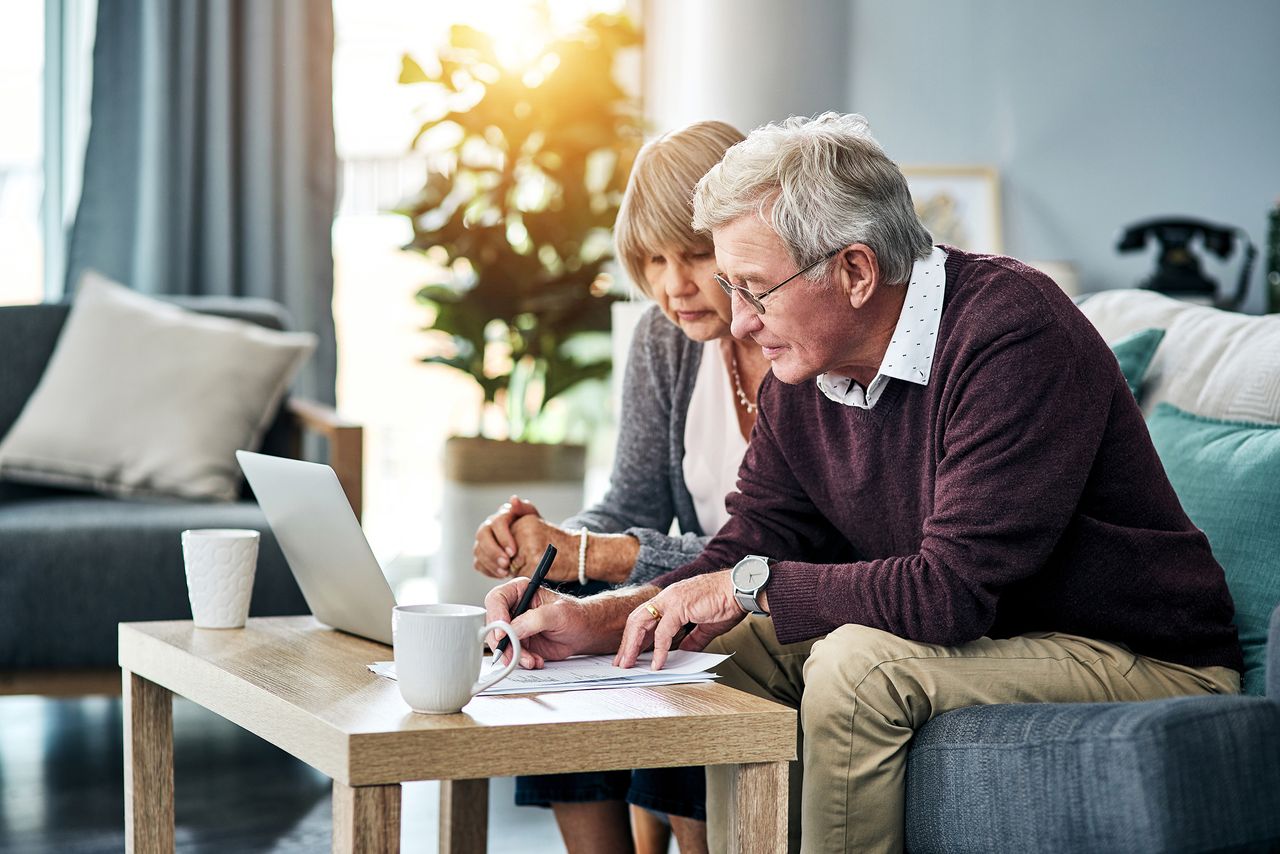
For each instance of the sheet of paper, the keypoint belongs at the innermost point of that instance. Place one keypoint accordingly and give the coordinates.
(594, 671)
(585, 668)
(591, 686)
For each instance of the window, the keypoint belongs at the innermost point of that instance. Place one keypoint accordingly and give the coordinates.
(408, 408)
(45, 78)
(21, 153)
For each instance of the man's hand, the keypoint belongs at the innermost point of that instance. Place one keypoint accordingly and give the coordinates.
(705, 600)
(532, 534)
(495, 549)
(557, 626)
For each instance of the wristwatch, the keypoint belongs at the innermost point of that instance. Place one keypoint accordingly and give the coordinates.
(751, 574)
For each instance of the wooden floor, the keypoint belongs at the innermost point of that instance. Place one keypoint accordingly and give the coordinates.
(61, 788)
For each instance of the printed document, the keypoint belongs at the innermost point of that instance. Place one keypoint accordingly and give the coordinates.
(585, 672)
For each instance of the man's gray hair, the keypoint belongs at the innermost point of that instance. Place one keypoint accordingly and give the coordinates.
(822, 184)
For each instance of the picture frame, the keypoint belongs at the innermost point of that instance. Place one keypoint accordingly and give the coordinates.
(960, 205)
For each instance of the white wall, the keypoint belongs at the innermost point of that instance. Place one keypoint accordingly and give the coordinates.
(745, 62)
(1097, 113)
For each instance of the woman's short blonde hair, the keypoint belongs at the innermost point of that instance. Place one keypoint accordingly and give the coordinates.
(657, 207)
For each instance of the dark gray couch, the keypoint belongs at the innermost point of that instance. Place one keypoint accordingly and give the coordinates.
(73, 565)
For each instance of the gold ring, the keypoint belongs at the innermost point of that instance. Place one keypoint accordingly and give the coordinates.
(654, 612)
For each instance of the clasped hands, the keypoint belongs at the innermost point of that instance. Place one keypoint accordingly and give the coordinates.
(509, 542)
(624, 622)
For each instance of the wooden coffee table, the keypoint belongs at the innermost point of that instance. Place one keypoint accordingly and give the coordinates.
(305, 689)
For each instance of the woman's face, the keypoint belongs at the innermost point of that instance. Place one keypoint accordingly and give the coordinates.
(682, 283)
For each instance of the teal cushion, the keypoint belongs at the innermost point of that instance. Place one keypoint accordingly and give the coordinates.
(1227, 474)
(1134, 353)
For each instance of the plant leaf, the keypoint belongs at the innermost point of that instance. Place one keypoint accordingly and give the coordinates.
(525, 186)
(563, 374)
(411, 71)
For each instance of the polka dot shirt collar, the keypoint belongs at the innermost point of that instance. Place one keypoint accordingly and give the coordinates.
(910, 353)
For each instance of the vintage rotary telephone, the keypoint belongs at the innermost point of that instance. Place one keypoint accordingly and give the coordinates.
(1178, 272)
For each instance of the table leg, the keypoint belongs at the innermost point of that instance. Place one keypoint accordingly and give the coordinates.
(148, 765)
(366, 819)
(464, 816)
(758, 821)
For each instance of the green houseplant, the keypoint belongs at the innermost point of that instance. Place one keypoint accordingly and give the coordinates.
(527, 171)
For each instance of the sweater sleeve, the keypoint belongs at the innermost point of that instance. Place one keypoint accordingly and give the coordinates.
(661, 553)
(639, 499)
(1006, 486)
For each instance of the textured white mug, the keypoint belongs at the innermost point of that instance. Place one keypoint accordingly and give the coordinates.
(439, 650)
(220, 568)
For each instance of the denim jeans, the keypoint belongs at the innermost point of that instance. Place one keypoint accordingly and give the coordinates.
(673, 791)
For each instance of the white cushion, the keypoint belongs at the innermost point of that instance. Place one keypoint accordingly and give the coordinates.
(143, 398)
(1219, 364)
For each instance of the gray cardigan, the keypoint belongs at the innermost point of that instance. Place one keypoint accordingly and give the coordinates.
(647, 489)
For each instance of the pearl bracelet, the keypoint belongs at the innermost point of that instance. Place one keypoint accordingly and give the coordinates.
(582, 556)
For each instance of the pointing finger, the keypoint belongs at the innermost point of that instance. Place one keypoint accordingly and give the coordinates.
(667, 627)
(638, 631)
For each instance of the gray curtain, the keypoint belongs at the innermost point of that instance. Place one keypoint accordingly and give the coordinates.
(210, 167)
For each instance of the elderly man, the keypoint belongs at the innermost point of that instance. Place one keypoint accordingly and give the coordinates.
(950, 497)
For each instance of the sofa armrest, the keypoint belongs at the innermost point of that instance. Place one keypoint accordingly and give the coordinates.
(1181, 774)
(346, 444)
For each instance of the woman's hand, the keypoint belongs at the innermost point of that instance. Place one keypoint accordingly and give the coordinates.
(496, 549)
(532, 534)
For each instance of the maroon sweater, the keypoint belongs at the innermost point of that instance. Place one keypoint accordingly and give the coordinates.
(1018, 491)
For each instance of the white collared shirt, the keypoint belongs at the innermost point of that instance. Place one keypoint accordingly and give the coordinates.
(910, 353)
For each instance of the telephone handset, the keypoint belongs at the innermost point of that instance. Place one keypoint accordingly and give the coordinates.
(1178, 270)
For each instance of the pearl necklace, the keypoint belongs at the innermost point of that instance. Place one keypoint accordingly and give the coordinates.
(737, 382)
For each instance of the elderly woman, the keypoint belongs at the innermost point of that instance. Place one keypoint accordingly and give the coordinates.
(688, 406)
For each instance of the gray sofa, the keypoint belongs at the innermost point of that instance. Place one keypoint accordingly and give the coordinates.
(73, 565)
(1188, 774)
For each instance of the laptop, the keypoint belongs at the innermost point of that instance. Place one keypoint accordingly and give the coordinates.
(323, 544)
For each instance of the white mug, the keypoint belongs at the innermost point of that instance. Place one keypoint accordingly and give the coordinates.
(220, 565)
(438, 651)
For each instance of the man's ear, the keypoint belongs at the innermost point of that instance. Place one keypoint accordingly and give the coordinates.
(859, 273)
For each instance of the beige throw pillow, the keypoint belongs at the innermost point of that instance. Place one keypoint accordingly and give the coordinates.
(143, 398)
(1218, 364)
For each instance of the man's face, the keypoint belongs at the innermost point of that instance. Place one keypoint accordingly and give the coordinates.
(808, 327)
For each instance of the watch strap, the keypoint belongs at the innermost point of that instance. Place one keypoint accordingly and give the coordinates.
(749, 603)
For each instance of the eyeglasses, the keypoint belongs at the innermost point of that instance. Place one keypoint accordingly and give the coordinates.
(756, 301)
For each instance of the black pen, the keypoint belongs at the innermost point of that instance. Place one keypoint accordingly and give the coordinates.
(535, 581)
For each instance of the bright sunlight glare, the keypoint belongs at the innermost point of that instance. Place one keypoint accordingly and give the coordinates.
(521, 30)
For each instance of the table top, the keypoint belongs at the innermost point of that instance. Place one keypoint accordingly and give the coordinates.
(306, 688)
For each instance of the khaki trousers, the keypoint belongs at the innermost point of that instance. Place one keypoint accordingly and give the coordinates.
(863, 692)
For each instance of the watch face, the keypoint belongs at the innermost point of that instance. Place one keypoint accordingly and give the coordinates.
(750, 573)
